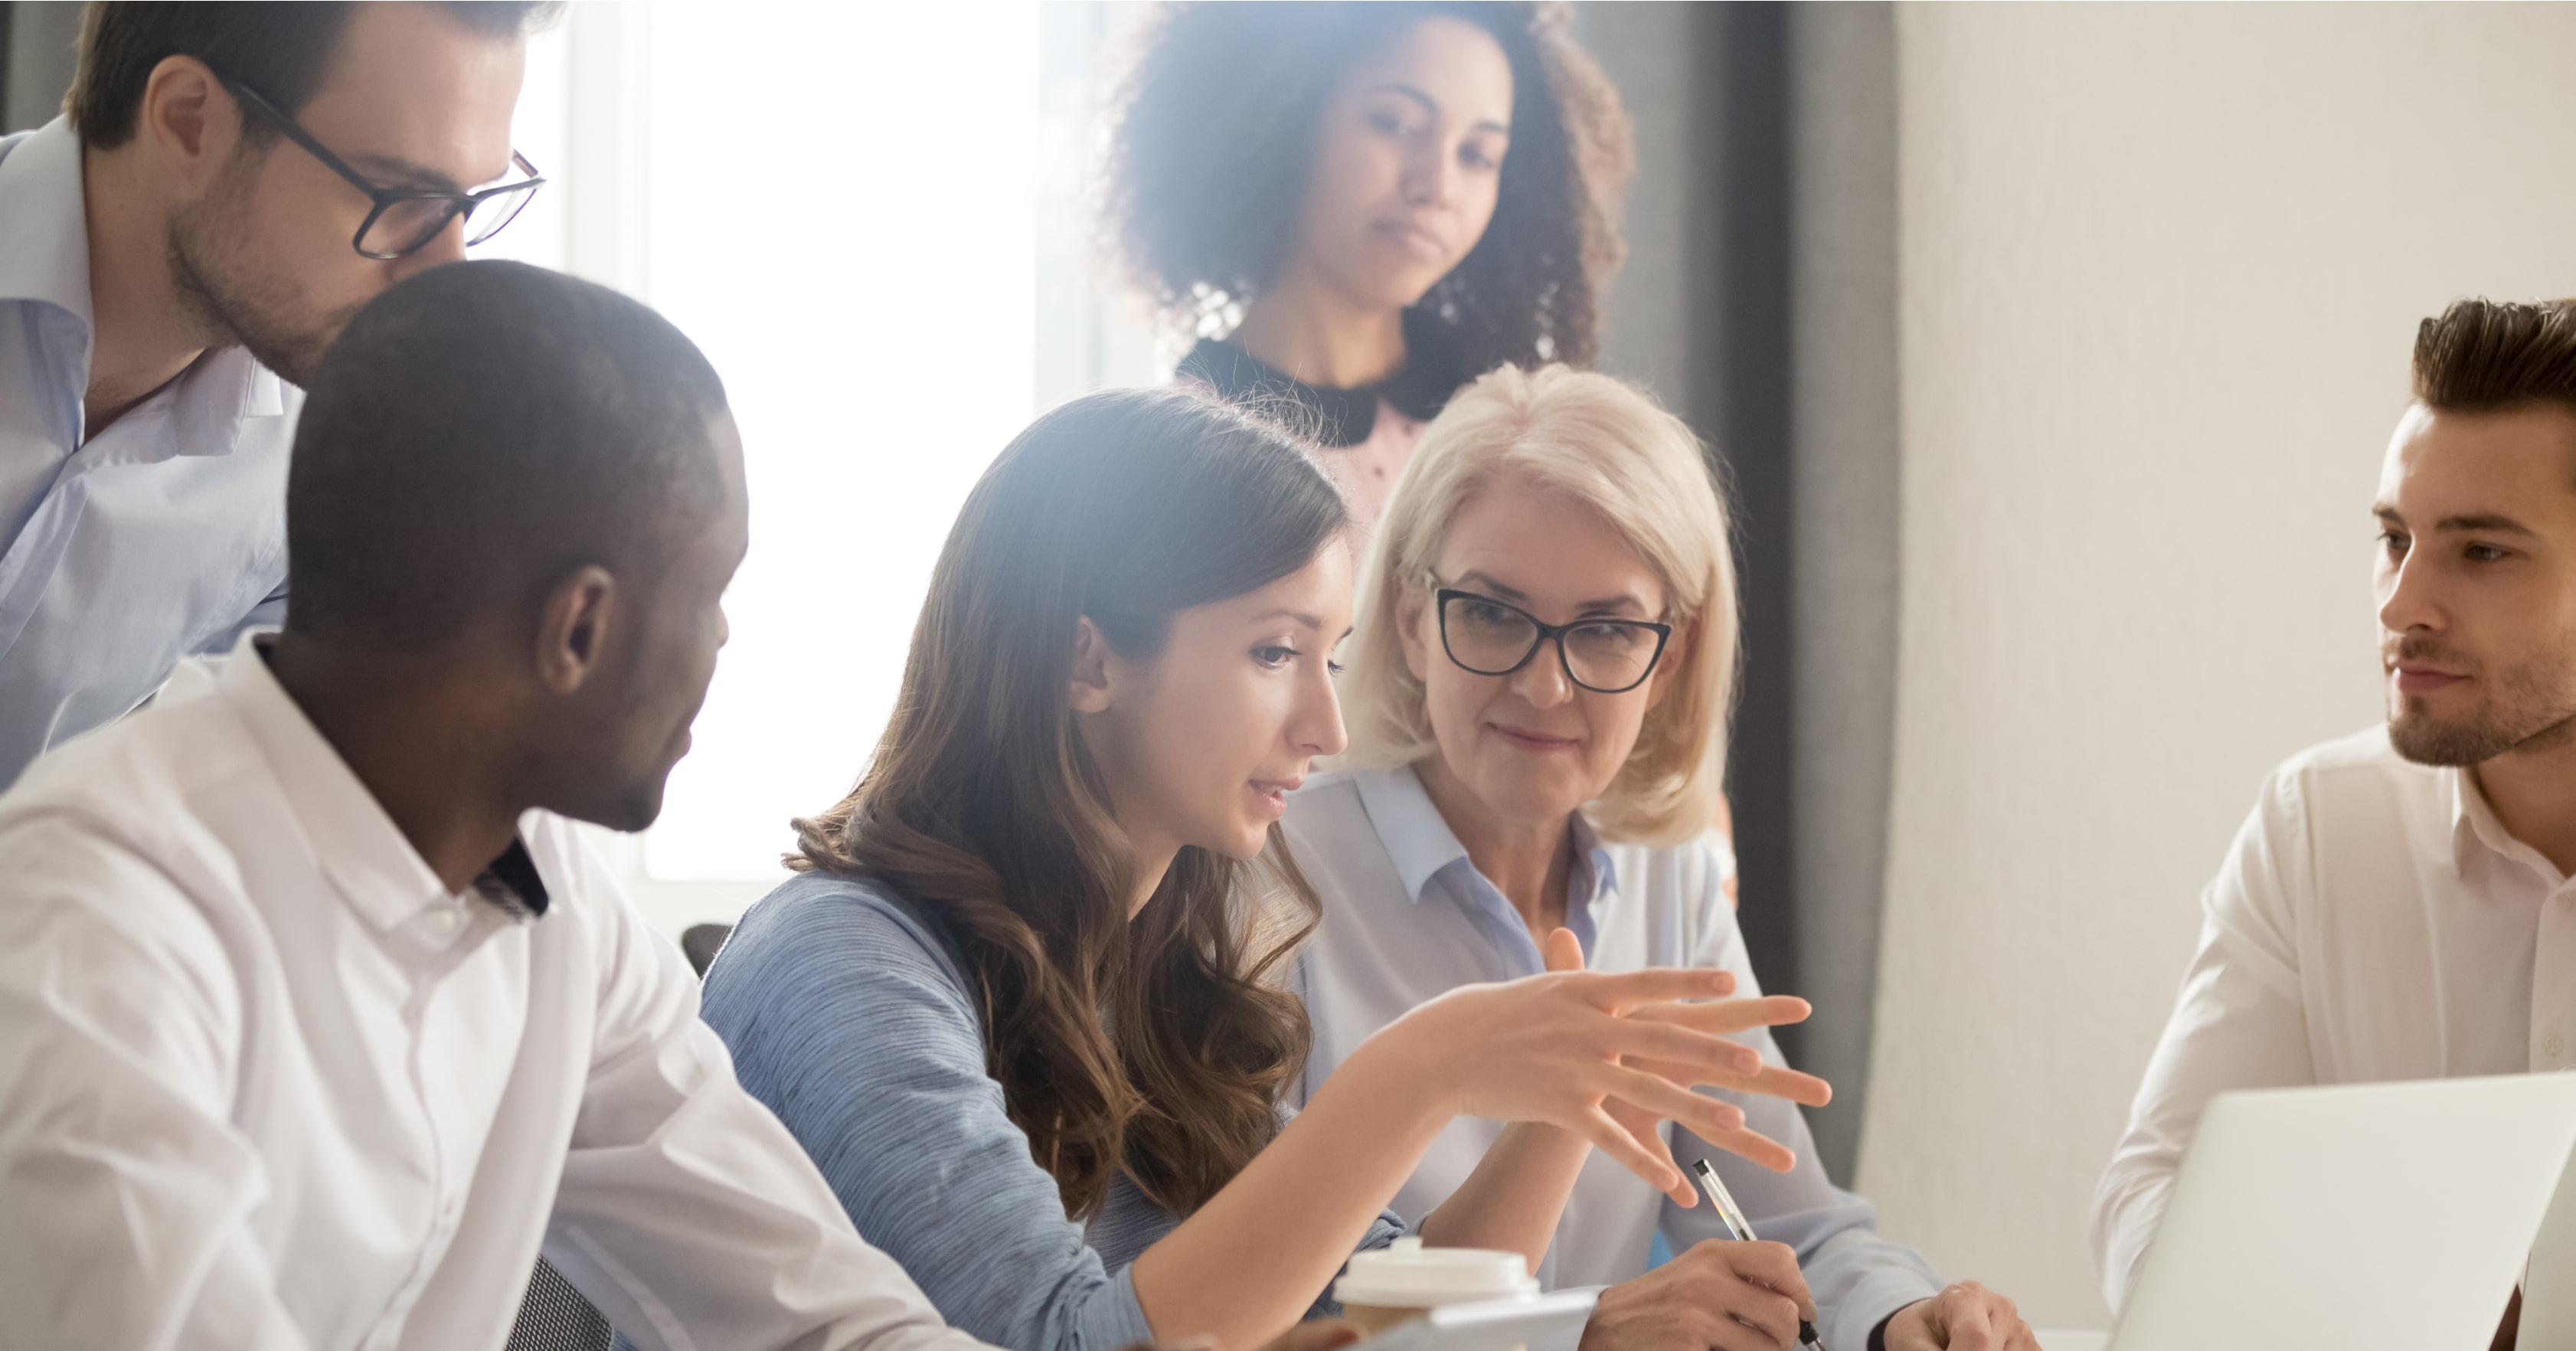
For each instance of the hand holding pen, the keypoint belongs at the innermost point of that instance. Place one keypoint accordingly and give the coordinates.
(1737, 1225)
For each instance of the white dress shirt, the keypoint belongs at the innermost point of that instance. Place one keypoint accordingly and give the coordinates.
(162, 536)
(270, 1085)
(1407, 917)
(2372, 922)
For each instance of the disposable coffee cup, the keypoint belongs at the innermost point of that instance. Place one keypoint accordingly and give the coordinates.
(1382, 1289)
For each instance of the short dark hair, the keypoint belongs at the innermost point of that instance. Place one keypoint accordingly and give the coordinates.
(2489, 354)
(1210, 141)
(282, 50)
(477, 433)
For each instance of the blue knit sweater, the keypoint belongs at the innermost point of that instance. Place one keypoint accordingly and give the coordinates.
(852, 1022)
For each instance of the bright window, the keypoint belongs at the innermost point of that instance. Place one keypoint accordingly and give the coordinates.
(856, 226)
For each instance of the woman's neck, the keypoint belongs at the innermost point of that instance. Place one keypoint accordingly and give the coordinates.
(1151, 864)
(1314, 334)
(1530, 863)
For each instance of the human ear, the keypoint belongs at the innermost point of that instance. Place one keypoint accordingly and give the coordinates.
(1089, 690)
(1677, 659)
(189, 119)
(574, 627)
(1410, 614)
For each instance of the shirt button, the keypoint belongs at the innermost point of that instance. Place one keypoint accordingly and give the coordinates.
(443, 920)
(2551, 1045)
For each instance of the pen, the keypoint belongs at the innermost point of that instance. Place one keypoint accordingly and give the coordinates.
(1736, 1225)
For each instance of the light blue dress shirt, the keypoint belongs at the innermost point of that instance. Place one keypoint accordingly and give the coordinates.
(161, 537)
(848, 1016)
(1407, 917)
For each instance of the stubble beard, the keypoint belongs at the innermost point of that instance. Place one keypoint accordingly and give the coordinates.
(233, 307)
(2532, 707)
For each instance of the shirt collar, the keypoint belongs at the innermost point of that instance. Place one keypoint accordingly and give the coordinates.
(2475, 829)
(44, 259)
(1421, 844)
(355, 843)
(44, 225)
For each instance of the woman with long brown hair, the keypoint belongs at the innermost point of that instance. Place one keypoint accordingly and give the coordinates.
(1023, 1002)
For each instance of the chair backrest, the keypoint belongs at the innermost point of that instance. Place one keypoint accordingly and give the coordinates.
(554, 1317)
(702, 942)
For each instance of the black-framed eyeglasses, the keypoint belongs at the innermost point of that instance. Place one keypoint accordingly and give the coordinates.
(404, 219)
(1495, 638)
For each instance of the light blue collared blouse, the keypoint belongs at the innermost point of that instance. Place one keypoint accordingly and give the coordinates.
(162, 536)
(1408, 917)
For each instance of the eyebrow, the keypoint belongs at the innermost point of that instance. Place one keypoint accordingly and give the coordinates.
(410, 174)
(1303, 618)
(2488, 521)
(1432, 107)
(1502, 592)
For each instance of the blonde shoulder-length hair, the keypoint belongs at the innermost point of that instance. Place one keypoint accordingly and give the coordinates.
(1608, 446)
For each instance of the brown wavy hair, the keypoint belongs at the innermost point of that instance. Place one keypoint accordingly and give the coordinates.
(1195, 210)
(1157, 1046)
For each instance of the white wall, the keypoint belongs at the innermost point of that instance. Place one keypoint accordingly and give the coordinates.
(2161, 267)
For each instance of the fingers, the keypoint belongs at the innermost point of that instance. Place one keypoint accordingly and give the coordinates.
(1664, 1098)
(1645, 1155)
(1774, 1266)
(1780, 1081)
(1962, 1310)
(1655, 985)
(1735, 1333)
(1323, 1334)
(1564, 951)
(1752, 1146)
(1771, 1081)
(1726, 1017)
(1702, 1052)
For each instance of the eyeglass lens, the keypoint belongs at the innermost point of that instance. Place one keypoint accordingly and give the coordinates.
(405, 226)
(1492, 639)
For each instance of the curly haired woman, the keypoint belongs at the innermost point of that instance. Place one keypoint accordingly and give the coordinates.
(1358, 208)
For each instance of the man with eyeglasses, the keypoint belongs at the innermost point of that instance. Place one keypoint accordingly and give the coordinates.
(229, 184)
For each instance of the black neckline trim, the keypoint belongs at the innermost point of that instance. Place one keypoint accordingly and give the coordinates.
(1341, 417)
(512, 883)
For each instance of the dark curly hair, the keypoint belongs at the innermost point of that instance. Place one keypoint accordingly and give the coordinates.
(1195, 211)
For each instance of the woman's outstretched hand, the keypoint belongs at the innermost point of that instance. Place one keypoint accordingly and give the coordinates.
(1605, 1057)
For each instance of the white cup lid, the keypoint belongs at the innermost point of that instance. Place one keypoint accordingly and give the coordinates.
(1410, 1276)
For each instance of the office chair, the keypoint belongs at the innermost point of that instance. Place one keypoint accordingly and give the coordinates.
(554, 1317)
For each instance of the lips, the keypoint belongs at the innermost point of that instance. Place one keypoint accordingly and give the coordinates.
(1274, 792)
(2412, 679)
(1416, 240)
(1526, 739)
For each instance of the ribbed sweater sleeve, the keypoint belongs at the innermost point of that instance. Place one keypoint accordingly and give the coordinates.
(851, 1023)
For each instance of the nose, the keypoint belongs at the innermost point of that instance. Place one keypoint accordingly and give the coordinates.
(447, 246)
(1542, 681)
(1427, 176)
(724, 627)
(1316, 727)
(2406, 600)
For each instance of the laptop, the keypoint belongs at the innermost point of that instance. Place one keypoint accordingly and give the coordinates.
(2365, 1215)
(2549, 1284)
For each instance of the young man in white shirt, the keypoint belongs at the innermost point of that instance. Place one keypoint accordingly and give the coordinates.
(2400, 905)
(229, 183)
(316, 1019)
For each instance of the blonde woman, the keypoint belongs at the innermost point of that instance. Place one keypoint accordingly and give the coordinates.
(1537, 697)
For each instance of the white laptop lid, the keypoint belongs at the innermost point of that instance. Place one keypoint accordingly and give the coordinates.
(2549, 1286)
(2369, 1215)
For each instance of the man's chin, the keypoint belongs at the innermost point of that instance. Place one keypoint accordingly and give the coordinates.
(2450, 745)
